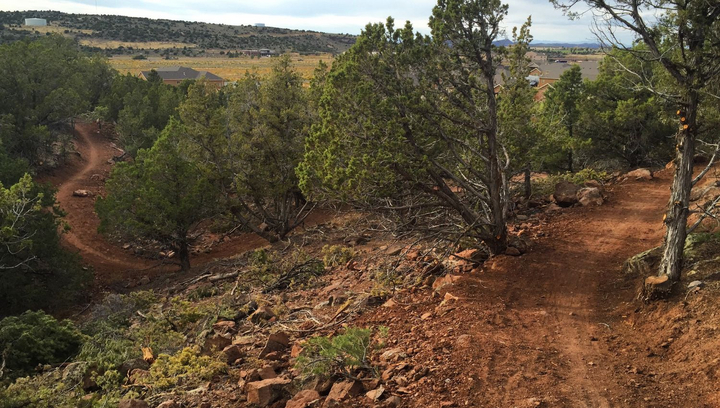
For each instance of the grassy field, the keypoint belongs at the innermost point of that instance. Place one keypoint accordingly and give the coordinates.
(151, 45)
(230, 69)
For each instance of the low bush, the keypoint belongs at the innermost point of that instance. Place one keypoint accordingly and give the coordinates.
(336, 255)
(185, 368)
(336, 355)
(545, 187)
(35, 338)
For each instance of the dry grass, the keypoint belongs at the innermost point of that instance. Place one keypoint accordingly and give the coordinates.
(230, 69)
(52, 29)
(590, 57)
(154, 45)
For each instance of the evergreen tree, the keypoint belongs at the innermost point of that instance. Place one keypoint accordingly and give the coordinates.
(561, 104)
(162, 196)
(409, 123)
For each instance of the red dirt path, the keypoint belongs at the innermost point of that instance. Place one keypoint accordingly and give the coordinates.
(555, 327)
(112, 265)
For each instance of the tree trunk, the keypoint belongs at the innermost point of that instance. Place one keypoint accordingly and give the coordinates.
(496, 183)
(570, 152)
(528, 185)
(184, 256)
(678, 207)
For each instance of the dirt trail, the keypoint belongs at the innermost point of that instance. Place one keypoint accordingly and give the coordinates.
(83, 233)
(559, 299)
(545, 327)
(113, 266)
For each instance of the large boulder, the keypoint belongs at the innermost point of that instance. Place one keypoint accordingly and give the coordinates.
(565, 194)
(265, 392)
(590, 196)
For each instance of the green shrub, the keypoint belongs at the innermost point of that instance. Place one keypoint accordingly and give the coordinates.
(336, 355)
(185, 368)
(336, 255)
(546, 186)
(36, 338)
(47, 390)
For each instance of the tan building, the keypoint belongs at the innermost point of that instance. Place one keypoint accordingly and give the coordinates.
(537, 57)
(175, 75)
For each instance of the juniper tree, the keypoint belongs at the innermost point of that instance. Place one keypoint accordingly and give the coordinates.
(249, 139)
(410, 122)
(561, 102)
(517, 112)
(160, 196)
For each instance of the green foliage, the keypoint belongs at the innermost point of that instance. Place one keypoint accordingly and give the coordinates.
(337, 355)
(160, 196)
(47, 390)
(111, 339)
(141, 108)
(560, 116)
(249, 138)
(336, 255)
(43, 84)
(625, 121)
(36, 338)
(546, 186)
(293, 270)
(406, 120)
(33, 264)
(186, 368)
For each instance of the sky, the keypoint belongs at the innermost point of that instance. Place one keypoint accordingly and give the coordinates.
(334, 16)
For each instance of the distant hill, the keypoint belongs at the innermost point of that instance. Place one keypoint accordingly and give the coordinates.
(550, 44)
(126, 35)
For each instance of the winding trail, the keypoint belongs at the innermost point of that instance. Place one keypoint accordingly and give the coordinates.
(80, 213)
(113, 266)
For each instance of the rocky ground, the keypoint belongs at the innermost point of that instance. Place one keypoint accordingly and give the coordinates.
(555, 322)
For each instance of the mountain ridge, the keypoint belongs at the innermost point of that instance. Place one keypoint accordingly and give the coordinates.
(114, 34)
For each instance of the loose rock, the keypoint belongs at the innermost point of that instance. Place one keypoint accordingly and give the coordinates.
(133, 403)
(565, 194)
(590, 196)
(640, 175)
(303, 399)
(265, 392)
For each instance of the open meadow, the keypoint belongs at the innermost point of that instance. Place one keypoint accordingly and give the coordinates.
(230, 69)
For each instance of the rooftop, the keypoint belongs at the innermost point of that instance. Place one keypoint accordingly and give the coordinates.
(181, 73)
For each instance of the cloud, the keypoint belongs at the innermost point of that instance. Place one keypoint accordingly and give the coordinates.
(322, 15)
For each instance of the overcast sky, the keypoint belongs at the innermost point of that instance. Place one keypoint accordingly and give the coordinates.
(336, 16)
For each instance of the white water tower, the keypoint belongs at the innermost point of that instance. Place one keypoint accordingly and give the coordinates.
(35, 22)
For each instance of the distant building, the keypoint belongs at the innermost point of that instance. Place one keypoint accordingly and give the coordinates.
(35, 22)
(175, 75)
(537, 57)
(259, 24)
(544, 75)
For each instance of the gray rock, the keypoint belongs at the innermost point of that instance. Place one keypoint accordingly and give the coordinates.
(565, 194)
(696, 284)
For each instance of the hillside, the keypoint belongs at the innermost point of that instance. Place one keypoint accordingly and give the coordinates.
(556, 326)
(116, 35)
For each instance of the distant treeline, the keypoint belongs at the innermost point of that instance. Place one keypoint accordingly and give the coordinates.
(202, 35)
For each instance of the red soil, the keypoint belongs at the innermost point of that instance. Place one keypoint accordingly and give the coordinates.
(558, 326)
(112, 265)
